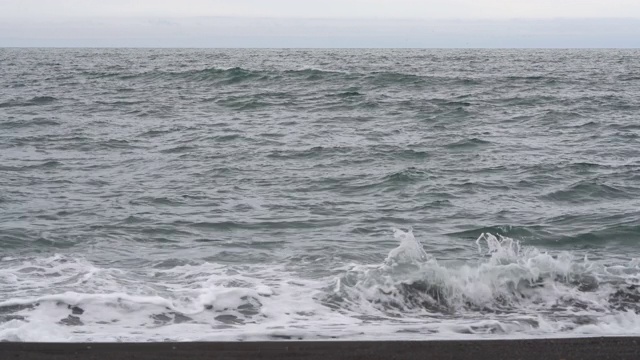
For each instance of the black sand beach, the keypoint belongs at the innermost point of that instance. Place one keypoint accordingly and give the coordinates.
(583, 348)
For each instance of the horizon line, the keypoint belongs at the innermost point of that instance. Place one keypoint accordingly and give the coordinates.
(324, 18)
(316, 48)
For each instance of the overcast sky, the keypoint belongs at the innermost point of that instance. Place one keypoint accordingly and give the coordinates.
(326, 23)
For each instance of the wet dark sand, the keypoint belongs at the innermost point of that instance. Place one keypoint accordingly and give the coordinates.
(539, 349)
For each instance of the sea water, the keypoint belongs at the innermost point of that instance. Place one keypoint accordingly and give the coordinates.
(163, 194)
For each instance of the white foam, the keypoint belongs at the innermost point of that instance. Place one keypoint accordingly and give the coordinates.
(410, 250)
(509, 291)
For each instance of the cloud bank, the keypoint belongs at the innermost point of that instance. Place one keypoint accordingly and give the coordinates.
(232, 32)
(329, 9)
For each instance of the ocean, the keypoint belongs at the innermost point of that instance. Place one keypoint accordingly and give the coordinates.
(237, 195)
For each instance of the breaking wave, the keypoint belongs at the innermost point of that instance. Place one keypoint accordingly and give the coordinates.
(510, 289)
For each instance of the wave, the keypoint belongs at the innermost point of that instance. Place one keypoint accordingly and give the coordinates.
(159, 132)
(470, 143)
(35, 122)
(391, 78)
(267, 224)
(240, 75)
(180, 149)
(114, 144)
(206, 298)
(554, 116)
(510, 289)
(585, 191)
(158, 200)
(313, 74)
(347, 94)
(223, 76)
(118, 103)
(534, 79)
(407, 175)
(40, 100)
(311, 153)
(243, 103)
(35, 101)
(609, 234)
(387, 182)
(511, 231)
(515, 282)
(628, 77)
(43, 165)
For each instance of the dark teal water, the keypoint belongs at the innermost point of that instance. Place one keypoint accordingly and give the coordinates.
(248, 194)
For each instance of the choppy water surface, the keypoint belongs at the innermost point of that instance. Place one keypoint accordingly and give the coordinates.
(150, 195)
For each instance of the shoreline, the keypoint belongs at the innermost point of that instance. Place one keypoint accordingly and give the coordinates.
(554, 348)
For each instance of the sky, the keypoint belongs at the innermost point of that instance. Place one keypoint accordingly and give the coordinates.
(325, 23)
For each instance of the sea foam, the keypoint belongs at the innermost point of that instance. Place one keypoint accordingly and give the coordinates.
(510, 290)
